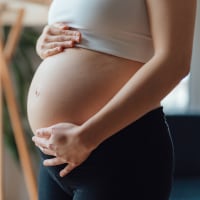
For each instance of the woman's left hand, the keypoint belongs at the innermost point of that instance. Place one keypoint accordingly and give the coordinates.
(64, 141)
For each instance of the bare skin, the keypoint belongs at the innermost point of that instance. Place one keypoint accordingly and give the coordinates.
(172, 25)
(72, 84)
(75, 84)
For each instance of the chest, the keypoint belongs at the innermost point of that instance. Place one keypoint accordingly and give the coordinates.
(130, 15)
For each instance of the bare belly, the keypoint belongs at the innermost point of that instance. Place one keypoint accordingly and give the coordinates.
(74, 85)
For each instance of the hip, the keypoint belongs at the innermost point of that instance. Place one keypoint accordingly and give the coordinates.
(140, 154)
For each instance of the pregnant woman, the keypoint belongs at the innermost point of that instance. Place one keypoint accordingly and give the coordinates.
(94, 101)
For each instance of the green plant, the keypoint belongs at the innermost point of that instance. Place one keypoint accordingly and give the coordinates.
(22, 70)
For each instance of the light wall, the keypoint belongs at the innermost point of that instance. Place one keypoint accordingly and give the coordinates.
(194, 85)
(35, 14)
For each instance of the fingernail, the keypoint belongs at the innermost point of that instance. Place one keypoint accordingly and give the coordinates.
(61, 174)
(64, 27)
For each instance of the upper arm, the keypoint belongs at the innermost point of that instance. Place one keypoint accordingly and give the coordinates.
(172, 26)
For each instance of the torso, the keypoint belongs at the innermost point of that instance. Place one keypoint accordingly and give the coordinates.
(75, 84)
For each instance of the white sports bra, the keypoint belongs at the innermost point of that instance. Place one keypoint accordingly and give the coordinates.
(116, 27)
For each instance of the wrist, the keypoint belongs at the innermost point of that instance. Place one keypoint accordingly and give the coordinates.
(90, 136)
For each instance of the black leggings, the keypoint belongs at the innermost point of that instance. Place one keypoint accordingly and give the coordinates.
(134, 164)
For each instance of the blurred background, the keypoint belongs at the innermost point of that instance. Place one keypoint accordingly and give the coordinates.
(182, 105)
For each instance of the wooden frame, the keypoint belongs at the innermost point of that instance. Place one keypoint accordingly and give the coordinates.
(6, 88)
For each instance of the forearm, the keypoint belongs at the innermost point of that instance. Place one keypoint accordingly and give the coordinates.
(139, 95)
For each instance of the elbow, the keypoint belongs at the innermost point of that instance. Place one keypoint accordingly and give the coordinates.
(180, 70)
(184, 66)
(177, 63)
(186, 70)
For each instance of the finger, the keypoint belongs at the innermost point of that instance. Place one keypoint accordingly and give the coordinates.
(46, 29)
(53, 45)
(48, 151)
(61, 25)
(53, 162)
(41, 142)
(72, 33)
(42, 133)
(46, 130)
(58, 31)
(51, 52)
(67, 169)
(61, 38)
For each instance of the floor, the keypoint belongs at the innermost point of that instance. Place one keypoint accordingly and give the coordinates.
(186, 189)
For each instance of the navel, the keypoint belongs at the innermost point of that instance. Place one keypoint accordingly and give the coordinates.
(37, 92)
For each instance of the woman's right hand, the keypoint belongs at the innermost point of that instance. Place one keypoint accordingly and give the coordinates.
(55, 38)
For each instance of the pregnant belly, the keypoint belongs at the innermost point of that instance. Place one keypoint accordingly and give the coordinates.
(73, 85)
